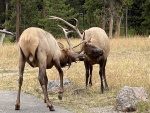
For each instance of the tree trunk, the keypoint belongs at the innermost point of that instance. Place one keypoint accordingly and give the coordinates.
(126, 22)
(43, 9)
(110, 25)
(6, 13)
(2, 37)
(103, 23)
(118, 23)
(6, 19)
(111, 12)
(17, 20)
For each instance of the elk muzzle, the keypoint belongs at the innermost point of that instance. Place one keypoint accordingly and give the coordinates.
(81, 57)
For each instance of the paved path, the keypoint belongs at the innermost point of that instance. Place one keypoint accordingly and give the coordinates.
(29, 104)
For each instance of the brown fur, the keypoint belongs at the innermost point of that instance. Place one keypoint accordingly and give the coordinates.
(40, 49)
(96, 52)
(99, 39)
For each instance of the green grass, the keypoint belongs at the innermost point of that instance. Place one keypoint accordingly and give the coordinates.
(128, 65)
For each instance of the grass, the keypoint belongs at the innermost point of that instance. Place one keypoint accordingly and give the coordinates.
(128, 65)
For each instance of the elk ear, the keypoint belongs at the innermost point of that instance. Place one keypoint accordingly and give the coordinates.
(61, 45)
(88, 39)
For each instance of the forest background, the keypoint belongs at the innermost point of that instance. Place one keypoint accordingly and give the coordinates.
(116, 17)
(128, 62)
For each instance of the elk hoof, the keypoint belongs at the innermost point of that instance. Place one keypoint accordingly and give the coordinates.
(44, 100)
(60, 96)
(17, 107)
(51, 108)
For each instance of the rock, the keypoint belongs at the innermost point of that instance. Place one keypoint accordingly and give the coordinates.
(78, 91)
(53, 85)
(129, 97)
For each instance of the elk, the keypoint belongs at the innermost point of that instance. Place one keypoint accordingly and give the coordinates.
(95, 46)
(39, 49)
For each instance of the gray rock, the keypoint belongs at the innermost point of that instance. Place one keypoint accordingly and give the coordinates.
(78, 91)
(53, 85)
(129, 97)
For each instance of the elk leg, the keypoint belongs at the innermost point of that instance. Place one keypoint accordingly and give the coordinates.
(46, 82)
(91, 69)
(101, 74)
(20, 81)
(104, 75)
(42, 74)
(61, 74)
(87, 67)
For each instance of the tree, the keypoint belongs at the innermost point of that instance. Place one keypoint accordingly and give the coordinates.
(126, 22)
(117, 9)
(103, 14)
(146, 16)
(57, 8)
(80, 11)
(24, 13)
(2, 13)
(107, 14)
(17, 20)
(43, 9)
(6, 19)
(6, 12)
(135, 17)
(93, 8)
(111, 14)
(118, 15)
(128, 4)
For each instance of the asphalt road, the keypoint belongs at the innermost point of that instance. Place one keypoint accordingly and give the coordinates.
(29, 104)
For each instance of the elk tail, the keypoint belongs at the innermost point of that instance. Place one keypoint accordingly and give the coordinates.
(33, 56)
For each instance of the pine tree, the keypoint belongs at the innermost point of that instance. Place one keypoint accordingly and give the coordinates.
(2, 13)
(135, 16)
(59, 8)
(146, 16)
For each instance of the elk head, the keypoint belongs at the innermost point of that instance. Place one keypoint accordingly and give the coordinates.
(69, 53)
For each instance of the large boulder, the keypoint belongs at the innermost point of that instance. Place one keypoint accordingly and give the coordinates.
(129, 97)
(53, 85)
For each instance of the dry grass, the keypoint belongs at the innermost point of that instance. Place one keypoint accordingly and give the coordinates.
(128, 64)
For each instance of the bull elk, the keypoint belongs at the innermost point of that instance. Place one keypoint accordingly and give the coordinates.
(95, 45)
(40, 49)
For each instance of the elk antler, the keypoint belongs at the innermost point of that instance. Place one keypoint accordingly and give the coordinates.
(73, 27)
(66, 35)
(70, 25)
(82, 42)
